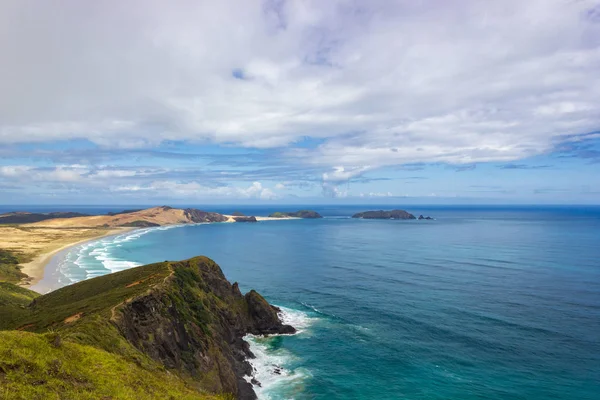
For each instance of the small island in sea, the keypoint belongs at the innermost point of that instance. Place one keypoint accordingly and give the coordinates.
(392, 214)
(296, 214)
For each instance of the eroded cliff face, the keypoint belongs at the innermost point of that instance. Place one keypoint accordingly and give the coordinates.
(194, 322)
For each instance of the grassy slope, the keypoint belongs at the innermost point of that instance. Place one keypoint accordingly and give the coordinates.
(9, 267)
(34, 366)
(13, 303)
(79, 314)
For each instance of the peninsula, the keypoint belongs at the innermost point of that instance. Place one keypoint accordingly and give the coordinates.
(173, 329)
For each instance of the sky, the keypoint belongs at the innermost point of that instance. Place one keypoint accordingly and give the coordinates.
(308, 101)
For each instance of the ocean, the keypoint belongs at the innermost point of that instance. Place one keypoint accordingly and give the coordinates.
(480, 303)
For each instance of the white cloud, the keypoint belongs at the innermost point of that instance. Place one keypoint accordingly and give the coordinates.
(376, 194)
(72, 173)
(197, 190)
(383, 83)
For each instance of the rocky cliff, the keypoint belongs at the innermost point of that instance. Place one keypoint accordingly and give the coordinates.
(183, 316)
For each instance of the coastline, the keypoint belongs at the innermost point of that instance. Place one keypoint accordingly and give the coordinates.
(46, 263)
(36, 269)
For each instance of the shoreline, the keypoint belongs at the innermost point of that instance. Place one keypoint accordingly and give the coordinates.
(36, 269)
(40, 267)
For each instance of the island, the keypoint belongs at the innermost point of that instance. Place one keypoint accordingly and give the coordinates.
(296, 214)
(393, 214)
(173, 329)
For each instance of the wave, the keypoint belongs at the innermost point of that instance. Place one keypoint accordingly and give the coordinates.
(96, 258)
(273, 373)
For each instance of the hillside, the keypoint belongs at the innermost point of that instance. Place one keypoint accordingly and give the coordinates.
(155, 216)
(177, 323)
(21, 217)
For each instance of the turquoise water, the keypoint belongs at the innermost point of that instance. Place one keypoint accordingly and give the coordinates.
(482, 303)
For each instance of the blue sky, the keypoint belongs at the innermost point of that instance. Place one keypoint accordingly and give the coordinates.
(300, 102)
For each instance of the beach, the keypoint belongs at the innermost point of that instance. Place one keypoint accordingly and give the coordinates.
(37, 245)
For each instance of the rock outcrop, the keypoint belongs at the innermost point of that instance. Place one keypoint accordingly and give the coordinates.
(393, 214)
(197, 216)
(422, 217)
(245, 219)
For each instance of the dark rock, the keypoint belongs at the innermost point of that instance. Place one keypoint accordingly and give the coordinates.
(245, 219)
(393, 214)
(422, 217)
(264, 315)
(195, 323)
(202, 216)
(238, 214)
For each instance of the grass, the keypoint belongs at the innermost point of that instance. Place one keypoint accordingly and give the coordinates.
(34, 366)
(9, 267)
(64, 344)
(13, 303)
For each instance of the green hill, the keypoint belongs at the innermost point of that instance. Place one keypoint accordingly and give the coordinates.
(165, 330)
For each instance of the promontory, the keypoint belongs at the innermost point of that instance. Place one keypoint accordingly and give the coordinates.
(170, 330)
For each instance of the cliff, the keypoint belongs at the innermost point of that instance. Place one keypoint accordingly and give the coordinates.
(393, 214)
(177, 322)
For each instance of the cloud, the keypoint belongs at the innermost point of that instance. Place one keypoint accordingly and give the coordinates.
(379, 83)
(522, 166)
(377, 194)
(196, 190)
(72, 173)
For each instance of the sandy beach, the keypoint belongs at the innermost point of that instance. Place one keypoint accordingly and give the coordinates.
(231, 218)
(36, 246)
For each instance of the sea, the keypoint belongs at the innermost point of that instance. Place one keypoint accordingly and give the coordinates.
(482, 302)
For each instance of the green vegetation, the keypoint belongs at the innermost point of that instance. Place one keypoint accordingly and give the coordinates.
(140, 224)
(160, 331)
(34, 366)
(13, 303)
(9, 267)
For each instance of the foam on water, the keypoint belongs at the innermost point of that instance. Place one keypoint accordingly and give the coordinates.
(273, 365)
(96, 258)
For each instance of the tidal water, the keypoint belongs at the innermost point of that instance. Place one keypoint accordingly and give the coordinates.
(480, 303)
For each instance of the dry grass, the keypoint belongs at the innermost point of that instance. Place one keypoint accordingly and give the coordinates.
(36, 245)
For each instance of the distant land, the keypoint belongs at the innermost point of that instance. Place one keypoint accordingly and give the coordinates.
(393, 214)
(296, 214)
(29, 240)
